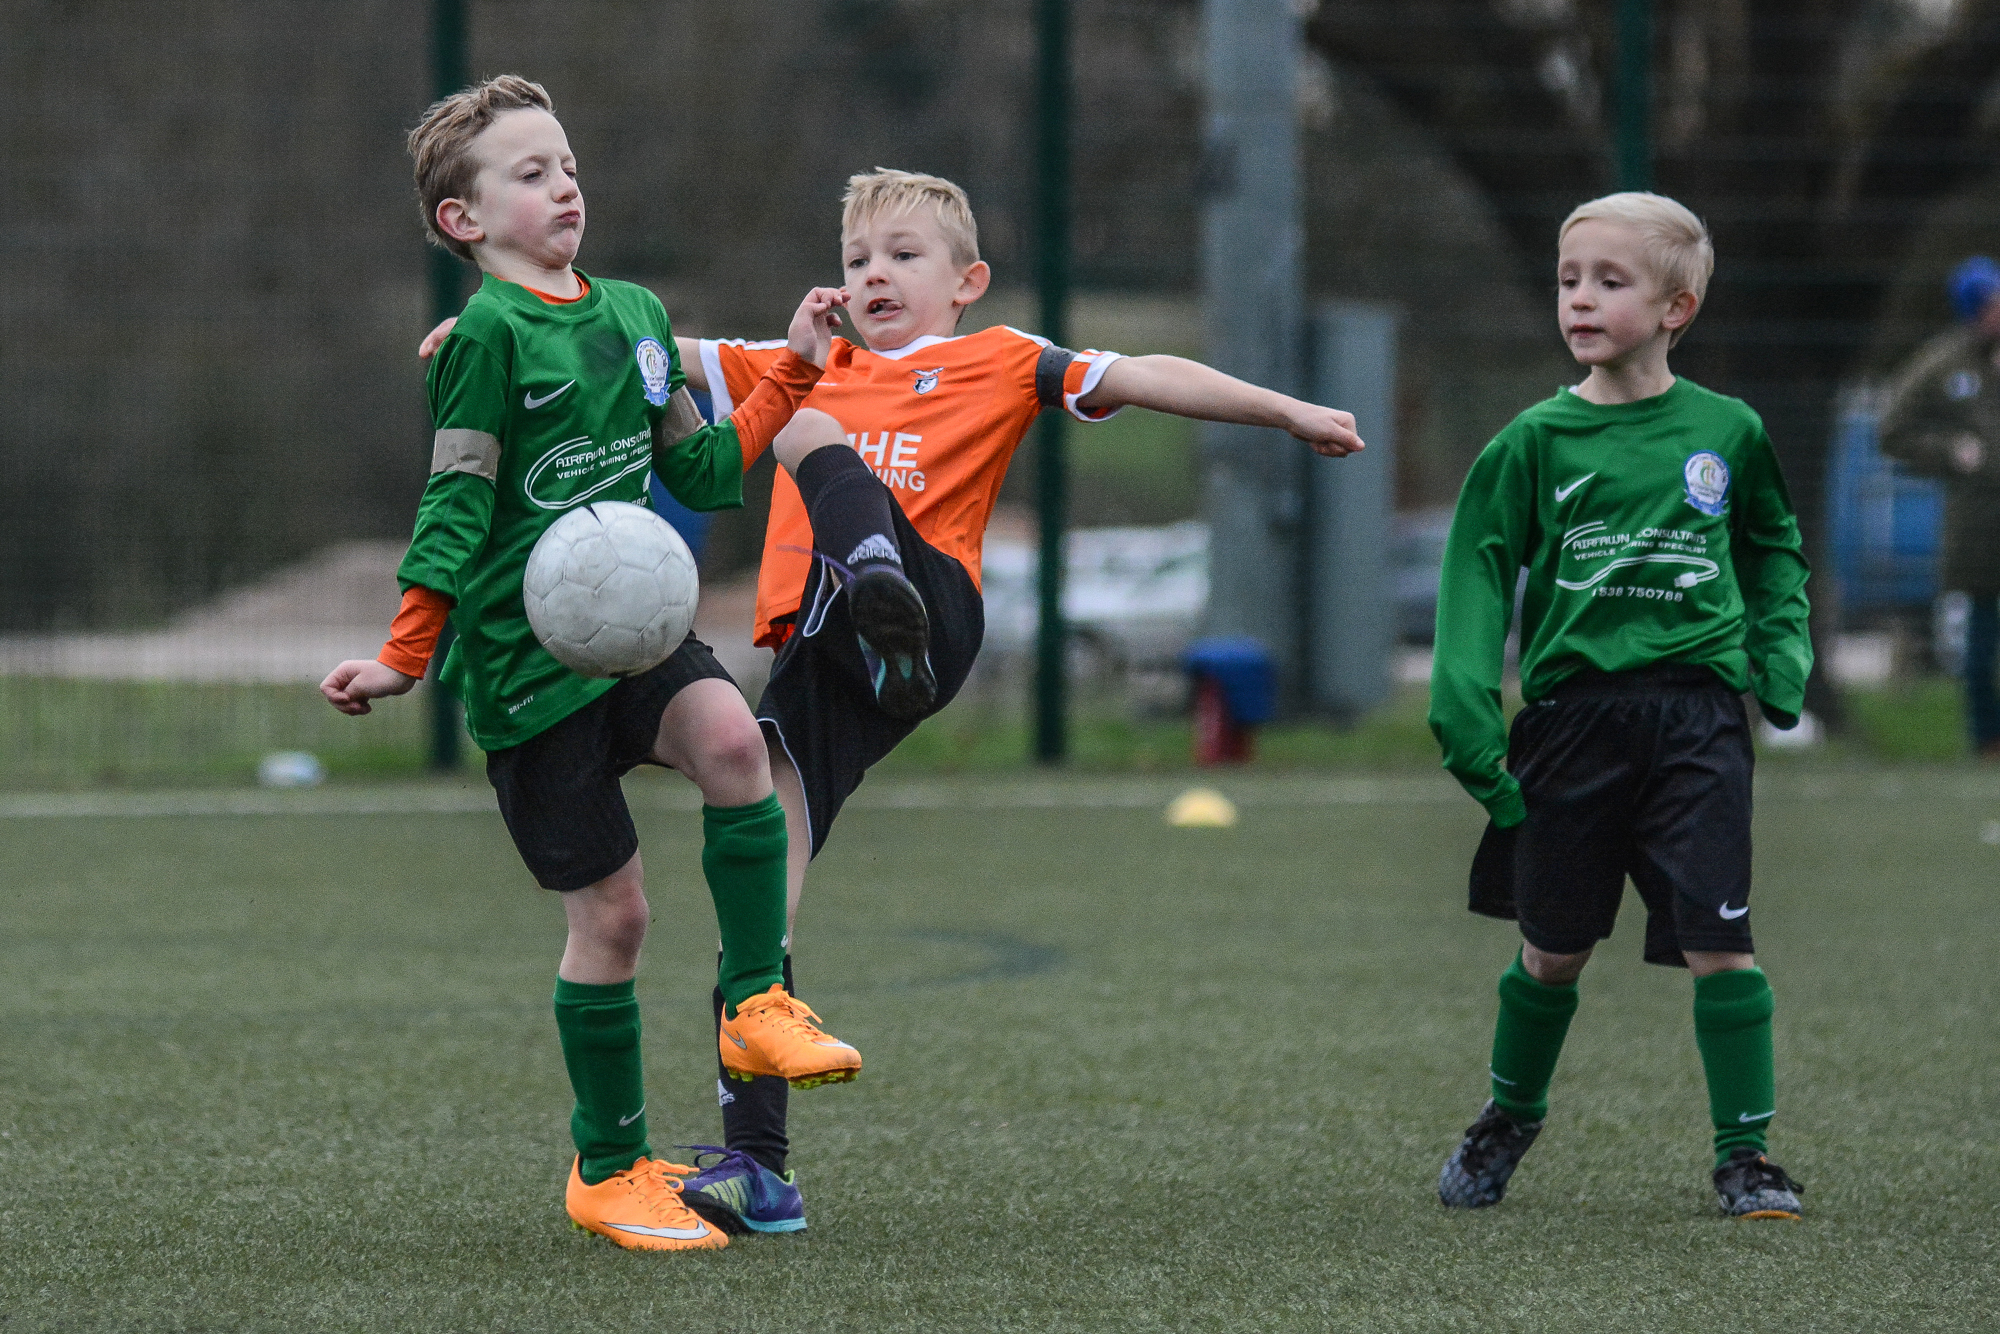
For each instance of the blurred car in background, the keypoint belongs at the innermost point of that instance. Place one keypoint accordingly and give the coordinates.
(1136, 597)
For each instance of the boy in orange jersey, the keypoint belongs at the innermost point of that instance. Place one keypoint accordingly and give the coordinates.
(869, 587)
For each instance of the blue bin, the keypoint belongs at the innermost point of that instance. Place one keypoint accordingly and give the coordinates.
(1242, 668)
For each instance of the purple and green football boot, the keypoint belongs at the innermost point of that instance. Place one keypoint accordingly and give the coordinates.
(765, 1201)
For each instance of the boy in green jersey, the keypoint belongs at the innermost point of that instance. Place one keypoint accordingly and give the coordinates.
(1663, 582)
(556, 390)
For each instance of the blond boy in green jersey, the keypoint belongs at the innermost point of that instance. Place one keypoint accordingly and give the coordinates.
(1663, 582)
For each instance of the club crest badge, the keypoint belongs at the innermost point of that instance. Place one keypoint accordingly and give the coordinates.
(927, 380)
(654, 369)
(1707, 478)
(1961, 386)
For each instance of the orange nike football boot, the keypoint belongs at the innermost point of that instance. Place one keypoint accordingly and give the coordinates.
(640, 1208)
(776, 1034)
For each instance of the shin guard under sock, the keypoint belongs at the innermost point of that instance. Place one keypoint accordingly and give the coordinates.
(753, 1114)
(1732, 1029)
(743, 857)
(1527, 1038)
(599, 1028)
(849, 507)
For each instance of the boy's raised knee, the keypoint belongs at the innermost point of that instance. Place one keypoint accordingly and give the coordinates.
(809, 429)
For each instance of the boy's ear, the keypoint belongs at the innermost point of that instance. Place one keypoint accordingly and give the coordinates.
(1680, 311)
(972, 284)
(454, 219)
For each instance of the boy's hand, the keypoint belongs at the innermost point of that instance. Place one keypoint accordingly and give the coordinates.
(811, 334)
(435, 339)
(351, 685)
(1328, 430)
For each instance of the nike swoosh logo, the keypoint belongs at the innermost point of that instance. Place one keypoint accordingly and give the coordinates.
(1565, 492)
(1502, 1078)
(836, 1043)
(738, 1041)
(677, 1233)
(529, 401)
(1746, 1118)
(1730, 914)
(628, 1120)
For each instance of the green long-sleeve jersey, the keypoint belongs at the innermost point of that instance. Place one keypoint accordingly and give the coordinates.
(1651, 532)
(540, 407)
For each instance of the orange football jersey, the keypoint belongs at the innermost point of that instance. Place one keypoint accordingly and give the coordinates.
(937, 421)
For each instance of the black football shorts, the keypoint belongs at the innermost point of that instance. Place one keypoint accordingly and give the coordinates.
(820, 704)
(1643, 774)
(559, 791)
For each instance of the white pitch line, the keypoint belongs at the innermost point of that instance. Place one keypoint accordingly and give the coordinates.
(653, 793)
(900, 795)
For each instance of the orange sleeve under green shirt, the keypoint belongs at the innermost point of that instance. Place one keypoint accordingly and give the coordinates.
(413, 635)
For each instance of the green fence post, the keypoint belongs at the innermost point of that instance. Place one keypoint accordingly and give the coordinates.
(1635, 94)
(448, 75)
(1051, 465)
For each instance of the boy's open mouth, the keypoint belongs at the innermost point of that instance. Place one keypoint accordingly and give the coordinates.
(884, 305)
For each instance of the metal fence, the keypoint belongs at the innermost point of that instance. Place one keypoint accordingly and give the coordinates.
(215, 431)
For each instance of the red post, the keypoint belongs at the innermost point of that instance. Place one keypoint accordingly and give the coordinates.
(1218, 738)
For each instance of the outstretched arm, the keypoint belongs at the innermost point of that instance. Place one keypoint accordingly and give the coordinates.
(1190, 389)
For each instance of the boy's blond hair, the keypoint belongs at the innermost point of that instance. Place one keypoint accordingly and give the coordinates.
(873, 193)
(442, 143)
(1676, 243)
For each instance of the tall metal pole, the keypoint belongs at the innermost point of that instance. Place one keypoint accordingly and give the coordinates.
(1051, 463)
(1252, 237)
(448, 75)
(1635, 94)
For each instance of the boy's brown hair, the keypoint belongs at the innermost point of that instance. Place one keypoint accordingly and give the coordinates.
(884, 190)
(442, 143)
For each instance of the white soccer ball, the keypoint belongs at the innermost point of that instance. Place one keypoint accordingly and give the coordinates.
(610, 589)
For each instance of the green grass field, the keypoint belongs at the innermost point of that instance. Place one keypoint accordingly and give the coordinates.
(296, 1071)
(83, 735)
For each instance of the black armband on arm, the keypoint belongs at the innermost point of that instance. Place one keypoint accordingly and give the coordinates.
(1050, 370)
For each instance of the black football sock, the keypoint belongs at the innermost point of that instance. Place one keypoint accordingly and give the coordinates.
(849, 508)
(753, 1114)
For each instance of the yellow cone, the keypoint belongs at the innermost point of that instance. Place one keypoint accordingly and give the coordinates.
(1201, 808)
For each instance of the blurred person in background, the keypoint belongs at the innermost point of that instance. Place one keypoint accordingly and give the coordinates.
(1942, 418)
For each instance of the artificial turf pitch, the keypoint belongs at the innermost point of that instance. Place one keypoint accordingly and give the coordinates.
(298, 1072)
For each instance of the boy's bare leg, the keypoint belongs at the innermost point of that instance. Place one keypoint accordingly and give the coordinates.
(1707, 963)
(607, 925)
(1557, 970)
(708, 735)
(1552, 970)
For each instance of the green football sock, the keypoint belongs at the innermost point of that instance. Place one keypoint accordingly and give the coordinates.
(599, 1027)
(743, 856)
(1732, 1028)
(1527, 1039)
